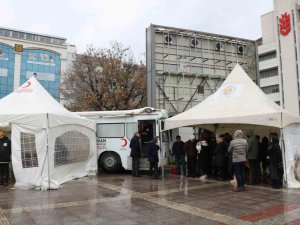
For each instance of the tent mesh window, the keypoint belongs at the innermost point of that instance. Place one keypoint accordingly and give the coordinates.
(28, 150)
(71, 147)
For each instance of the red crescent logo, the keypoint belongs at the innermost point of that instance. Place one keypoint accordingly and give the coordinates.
(125, 142)
(27, 85)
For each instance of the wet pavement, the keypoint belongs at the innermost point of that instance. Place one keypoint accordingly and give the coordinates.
(124, 200)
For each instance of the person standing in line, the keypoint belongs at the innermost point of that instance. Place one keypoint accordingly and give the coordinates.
(135, 154)
(239, 147)
(178, 153)
(253, 148)
(263, 156)
(5, 153)
(191, 151)
(220, 154)
(153, 159)
(227, 140)
(275, 161)
(204, 159)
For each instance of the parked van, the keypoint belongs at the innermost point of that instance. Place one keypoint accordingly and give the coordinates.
(115, 130)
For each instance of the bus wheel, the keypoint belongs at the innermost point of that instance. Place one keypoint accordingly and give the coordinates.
(110, 162)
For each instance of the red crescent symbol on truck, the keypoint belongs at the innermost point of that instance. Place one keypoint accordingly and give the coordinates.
(125, 142)
(27, 85)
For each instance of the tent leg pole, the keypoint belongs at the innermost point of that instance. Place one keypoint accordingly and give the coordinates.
(47, 131)
(283, 158)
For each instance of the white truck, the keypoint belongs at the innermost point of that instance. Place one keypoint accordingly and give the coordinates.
(115, 130)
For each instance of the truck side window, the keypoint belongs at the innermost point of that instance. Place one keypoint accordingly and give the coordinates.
(131, 128)
(110, 130)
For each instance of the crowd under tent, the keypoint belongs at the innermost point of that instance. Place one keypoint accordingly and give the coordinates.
(50, 145)
(240, 104)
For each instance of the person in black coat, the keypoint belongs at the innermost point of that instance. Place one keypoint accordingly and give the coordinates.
(263, 155)
(203, 156)
(5, 153)
(135, 154)
(275, 162)
(220, 158)
(153, 157)
(227, 140)
(178, 153)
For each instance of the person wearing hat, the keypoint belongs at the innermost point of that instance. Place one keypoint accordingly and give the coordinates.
(5, 152)
(190, 149)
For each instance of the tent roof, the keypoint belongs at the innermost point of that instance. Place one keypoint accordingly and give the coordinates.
(32, 104)
(119, 113)
(238, 101)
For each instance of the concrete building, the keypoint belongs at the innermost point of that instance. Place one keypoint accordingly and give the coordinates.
(185, 66)
(23, 54)
(278, 54)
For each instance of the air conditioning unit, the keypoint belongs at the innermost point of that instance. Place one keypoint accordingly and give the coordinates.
(168, 39)
(194, 43)
(218, 46)
(240, 49)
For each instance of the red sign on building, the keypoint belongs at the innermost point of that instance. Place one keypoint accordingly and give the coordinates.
(285, 24)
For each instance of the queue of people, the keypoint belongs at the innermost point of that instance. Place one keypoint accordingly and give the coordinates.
(227, 158)
(222, 158)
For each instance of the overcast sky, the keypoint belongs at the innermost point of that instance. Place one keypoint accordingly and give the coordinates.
(98, 22)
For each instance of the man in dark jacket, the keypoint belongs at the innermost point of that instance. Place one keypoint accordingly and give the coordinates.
(135, 154)
(220, 157)
(179, 154)
(276, 163)
(191, 151)
(253, 149)
(5, 152)
(152, 154)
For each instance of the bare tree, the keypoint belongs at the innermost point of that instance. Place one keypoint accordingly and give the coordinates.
(105, 79)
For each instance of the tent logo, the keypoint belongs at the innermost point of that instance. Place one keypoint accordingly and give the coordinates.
(25, 88)
(229, 90)
(26, 85)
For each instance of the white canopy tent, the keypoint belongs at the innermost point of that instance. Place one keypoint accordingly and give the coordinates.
(240, 104)
(50, 145)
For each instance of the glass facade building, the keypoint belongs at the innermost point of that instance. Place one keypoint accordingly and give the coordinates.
(26, 54)
(45, 65)
(7, 64)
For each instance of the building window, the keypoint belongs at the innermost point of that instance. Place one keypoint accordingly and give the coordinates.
(6, 33)
(71, 147)
(271, 89)
(270, 55)
(15, 34)
(29, 36)
(269, 73)
(48, 40)
(42, 39)
(277, 102)
(21, 35)
(28, 150)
